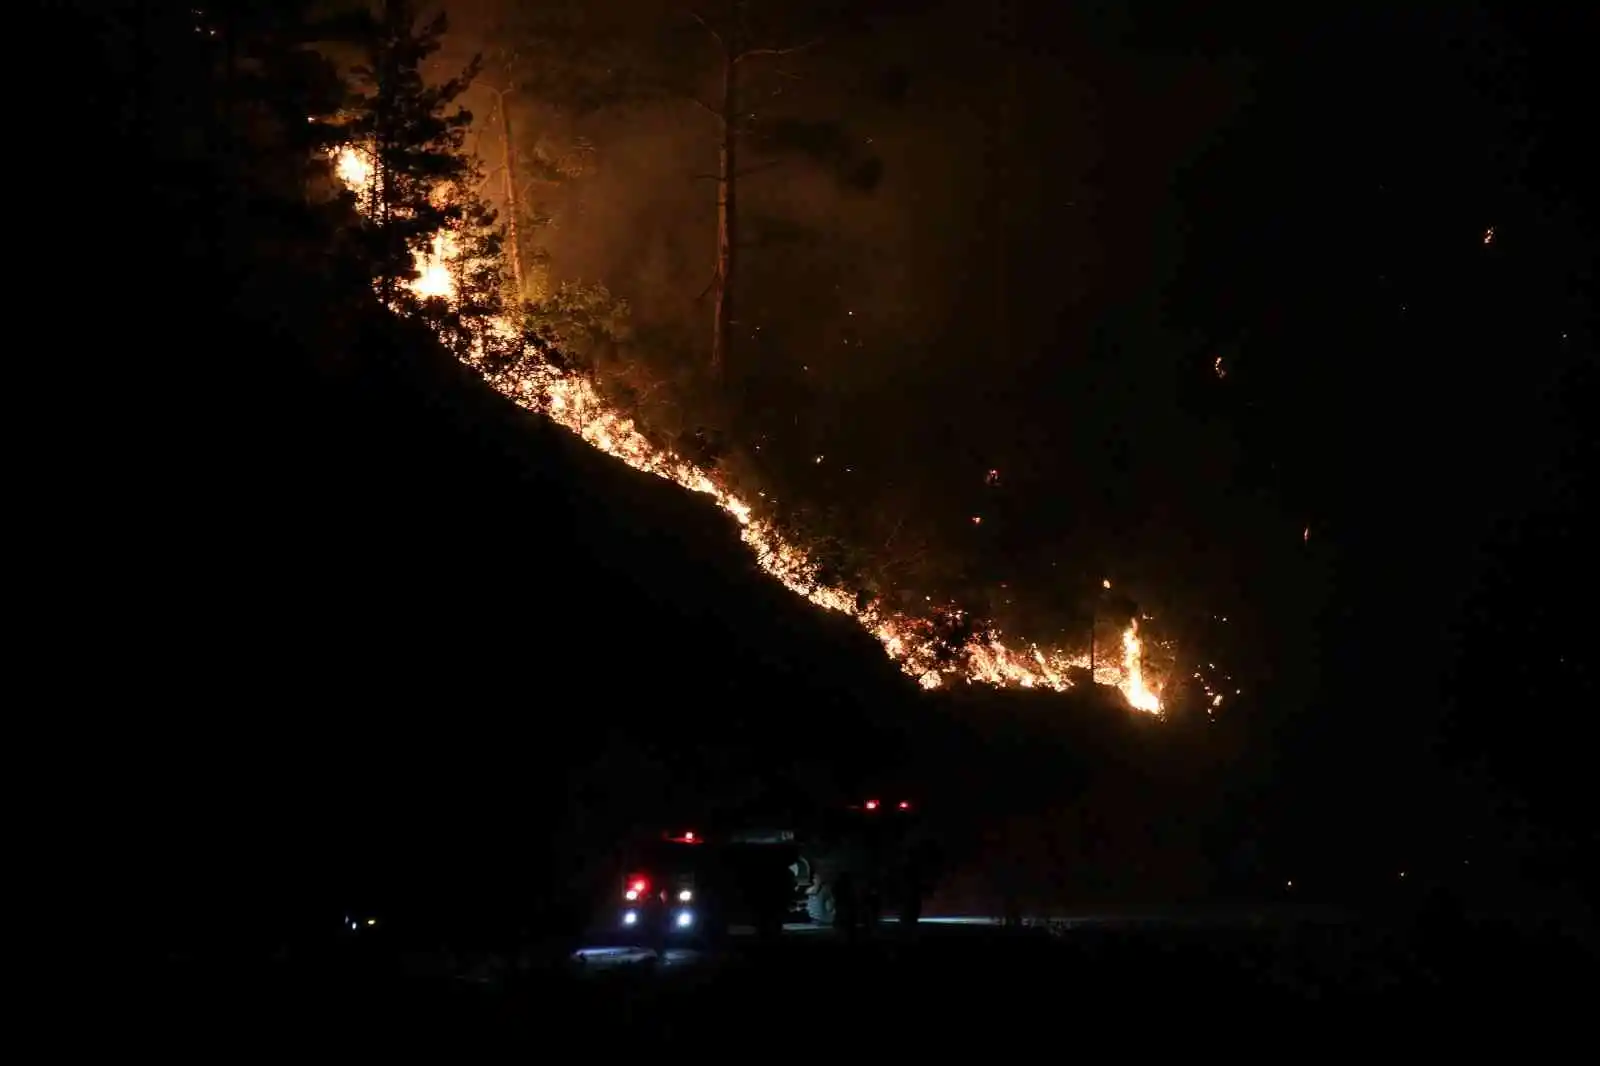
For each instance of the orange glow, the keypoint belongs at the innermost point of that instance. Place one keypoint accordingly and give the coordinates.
(913, 641)
(353, 168)
(1140, 698)
(434, 277)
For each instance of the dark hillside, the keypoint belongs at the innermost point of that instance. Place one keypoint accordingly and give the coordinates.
(337, 605)
(390, 599)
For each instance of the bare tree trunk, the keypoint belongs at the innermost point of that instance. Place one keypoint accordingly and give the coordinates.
(383, 126)
(1000, 161)
(509, 174)
(727, 194)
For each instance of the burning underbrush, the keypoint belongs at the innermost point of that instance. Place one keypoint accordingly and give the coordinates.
(938, 646)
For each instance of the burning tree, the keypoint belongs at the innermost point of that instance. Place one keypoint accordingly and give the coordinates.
(436, 248)
(412, 135)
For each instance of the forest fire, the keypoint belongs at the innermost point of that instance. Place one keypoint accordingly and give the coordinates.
(916, 643)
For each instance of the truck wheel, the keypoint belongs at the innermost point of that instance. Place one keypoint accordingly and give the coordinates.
(821, 907)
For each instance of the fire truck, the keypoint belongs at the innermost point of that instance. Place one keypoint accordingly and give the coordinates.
(835, 867)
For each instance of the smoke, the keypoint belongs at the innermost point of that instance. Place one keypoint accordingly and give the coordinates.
(952, 255)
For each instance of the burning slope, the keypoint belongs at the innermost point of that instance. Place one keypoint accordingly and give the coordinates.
(912, 641)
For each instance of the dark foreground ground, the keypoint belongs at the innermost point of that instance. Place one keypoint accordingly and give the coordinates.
(1233, 980)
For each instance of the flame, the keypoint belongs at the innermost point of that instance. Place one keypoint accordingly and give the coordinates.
(1140, 698)
(353, 168)
(912, 641)
(434, 277)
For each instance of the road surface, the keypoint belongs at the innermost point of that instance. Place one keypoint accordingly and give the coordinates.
(611, 950)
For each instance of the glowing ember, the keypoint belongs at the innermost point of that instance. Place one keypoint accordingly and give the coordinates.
(912, 641)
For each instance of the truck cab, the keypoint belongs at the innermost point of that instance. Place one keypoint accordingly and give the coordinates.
(660, 894)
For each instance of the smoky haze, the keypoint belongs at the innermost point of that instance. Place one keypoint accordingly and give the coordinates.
(1057, 296)
(962, 275)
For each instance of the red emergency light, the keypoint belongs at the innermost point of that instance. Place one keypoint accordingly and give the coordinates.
(904, 806)
(872, 805)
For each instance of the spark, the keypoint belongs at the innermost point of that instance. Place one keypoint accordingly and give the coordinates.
(1218, 367)
(1488, 235)
(917, 643)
